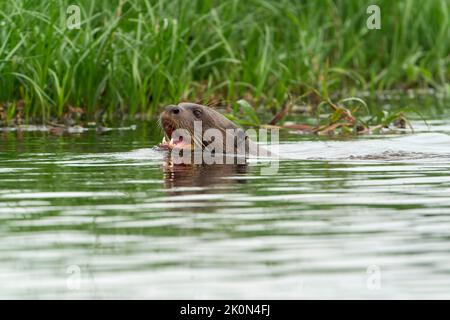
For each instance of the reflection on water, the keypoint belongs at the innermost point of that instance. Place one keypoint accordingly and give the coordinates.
(199, 176)
(104, 215)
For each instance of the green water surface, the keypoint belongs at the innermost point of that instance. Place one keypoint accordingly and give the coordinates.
(103, 215)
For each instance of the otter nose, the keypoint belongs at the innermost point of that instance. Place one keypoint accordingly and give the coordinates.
(173, 109)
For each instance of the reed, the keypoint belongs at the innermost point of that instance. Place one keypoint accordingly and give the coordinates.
(131, 57)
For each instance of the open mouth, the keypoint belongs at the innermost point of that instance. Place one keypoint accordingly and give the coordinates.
(168, 129)
(170, 140)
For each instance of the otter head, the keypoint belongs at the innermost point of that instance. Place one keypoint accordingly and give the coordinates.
(180, 120)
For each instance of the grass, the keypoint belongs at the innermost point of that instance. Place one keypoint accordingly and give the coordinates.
(131, 57)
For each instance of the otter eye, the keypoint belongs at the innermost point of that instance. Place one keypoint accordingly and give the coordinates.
(197, 113)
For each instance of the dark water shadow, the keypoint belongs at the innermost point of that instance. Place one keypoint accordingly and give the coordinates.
(201, 176)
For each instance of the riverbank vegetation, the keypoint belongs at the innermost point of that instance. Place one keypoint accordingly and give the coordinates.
(129, 58)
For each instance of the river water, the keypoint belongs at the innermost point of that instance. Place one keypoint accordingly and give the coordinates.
(103, 215)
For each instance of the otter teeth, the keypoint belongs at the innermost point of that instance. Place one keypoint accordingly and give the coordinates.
(174, 143)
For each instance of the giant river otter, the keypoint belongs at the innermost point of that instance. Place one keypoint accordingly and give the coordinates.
(191, 126)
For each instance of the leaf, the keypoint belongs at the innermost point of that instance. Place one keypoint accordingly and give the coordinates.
(248, 110)
(241, 122)
(361, 101)
(335, 116)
